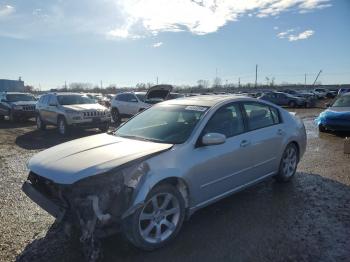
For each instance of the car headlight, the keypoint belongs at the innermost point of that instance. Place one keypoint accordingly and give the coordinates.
(72, 112)
(18, 107)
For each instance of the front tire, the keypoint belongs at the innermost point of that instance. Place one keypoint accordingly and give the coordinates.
(104, 128)
(62, 126)
(156, 223)
(289, 163)
(40, 125)
(12, 117)
(116, 116)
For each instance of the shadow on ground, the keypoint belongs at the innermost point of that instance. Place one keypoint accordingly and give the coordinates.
(7, 124)
(307, 219)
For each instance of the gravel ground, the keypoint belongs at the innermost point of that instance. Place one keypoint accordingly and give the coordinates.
(305, 220)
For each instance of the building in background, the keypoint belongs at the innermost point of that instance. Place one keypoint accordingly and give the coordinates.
(11, 85)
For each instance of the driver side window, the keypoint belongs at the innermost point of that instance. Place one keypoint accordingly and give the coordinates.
(227, 120)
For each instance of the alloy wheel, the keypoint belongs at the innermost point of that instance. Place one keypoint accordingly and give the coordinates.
(159, 218)
(289, 162)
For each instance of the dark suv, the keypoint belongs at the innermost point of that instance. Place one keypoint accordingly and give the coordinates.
(17, 106)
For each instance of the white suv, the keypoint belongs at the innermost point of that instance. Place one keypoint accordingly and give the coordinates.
(130, 103)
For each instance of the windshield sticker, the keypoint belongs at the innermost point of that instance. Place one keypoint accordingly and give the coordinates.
(196, 108)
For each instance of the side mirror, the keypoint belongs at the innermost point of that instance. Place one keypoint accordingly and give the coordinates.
(328, 105)
(52, 104)
(213, 139)
(134, 100)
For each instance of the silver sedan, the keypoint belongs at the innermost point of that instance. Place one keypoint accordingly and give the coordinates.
(164, 164)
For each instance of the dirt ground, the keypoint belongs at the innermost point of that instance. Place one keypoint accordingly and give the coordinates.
(305, 220)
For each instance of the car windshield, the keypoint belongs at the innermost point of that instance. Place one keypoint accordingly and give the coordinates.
(19, 97)
(74, 100)
(343, 101)
(172, 124)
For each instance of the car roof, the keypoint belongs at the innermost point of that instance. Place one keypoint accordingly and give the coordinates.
(207, 100)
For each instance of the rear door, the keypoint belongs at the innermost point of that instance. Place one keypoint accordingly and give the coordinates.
(266, 132)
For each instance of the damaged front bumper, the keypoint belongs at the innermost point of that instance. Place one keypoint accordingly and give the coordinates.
(96, 205)
(44, 202)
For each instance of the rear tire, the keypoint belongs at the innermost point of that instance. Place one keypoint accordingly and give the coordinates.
(288, 164)
(158, 222)
(62, 126)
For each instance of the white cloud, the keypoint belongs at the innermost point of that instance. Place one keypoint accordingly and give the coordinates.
(150, 17)
(304, 35)
(6, 10)
(157, 44)
(275, 28)
(288, 34)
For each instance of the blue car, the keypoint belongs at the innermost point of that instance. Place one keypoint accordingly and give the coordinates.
(337, 116)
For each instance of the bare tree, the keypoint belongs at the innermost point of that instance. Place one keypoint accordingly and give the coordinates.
(217, 82)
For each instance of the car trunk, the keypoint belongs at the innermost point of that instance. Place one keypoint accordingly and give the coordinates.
(157, 94)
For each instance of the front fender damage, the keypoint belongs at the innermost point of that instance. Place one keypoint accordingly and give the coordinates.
(99, 204)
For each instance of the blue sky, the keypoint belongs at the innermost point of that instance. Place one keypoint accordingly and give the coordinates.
(125, 42)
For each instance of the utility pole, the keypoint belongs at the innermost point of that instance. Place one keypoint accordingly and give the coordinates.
(239, 82)
(101, 84)
(157, 80)
(305, 82)
(256, 76)
(317, 77)
(65, 84)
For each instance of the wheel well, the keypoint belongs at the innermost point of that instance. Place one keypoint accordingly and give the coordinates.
(180, 184)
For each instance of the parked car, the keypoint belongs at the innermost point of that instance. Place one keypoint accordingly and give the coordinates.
(17, 106)
(325, 92)
(320, 95)
(309, 97)
(342, 91)
(66, 110)
(337, 116)
(127, 104)
(283, 99)
(163, 165)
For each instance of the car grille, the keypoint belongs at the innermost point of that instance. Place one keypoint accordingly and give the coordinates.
(91, 114)
(47, 188)
(28, 108)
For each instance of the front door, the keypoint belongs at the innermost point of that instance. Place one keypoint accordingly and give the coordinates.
(219, 169)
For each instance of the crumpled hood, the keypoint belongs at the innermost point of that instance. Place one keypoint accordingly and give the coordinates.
(83, 107)
(23, 103)
(69, 162)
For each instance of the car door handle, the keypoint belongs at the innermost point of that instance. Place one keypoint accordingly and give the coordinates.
(280, 132)
(244, 143)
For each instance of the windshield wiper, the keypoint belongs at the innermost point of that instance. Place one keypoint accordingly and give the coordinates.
(140, 138)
